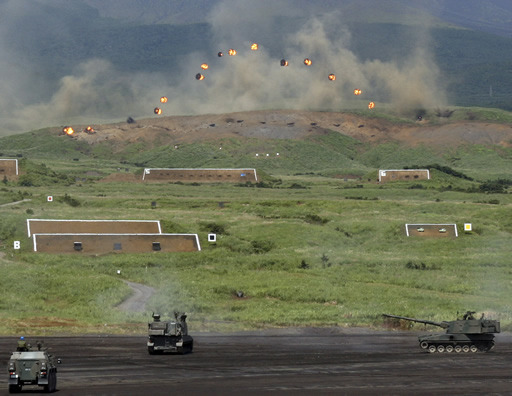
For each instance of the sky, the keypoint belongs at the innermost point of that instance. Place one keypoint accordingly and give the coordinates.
(95, 92)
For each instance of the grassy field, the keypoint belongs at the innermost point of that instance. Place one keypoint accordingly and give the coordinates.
(310, 251)
(306, 245)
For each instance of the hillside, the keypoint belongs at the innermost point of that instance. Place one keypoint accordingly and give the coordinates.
(290, 124)
(473, 141)
(316, 242)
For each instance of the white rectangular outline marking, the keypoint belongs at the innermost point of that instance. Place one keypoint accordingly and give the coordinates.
(94, 221)
(431, 224)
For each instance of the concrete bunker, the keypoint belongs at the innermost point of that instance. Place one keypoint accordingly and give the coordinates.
(86, 243)
(8, 169)
(201, 175)
(387, 175)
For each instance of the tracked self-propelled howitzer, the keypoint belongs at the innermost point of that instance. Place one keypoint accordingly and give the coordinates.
(464, 335)
(169, 336)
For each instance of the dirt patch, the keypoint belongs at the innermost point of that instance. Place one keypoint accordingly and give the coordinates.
(292, 124)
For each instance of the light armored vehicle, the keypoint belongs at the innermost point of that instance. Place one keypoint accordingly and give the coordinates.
(462, 335)
(169, 336)
(32, 367)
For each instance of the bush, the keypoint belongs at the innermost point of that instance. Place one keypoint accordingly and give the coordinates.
(262, 246)
(315, 219)
(70, 201)
(421, 266)
(214, 228)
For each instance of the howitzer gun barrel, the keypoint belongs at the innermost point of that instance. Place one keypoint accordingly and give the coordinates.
(444, 325)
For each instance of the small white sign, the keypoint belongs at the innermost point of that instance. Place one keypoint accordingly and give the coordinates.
(49, 198)
(118, 272)
(17, 245)
(467, 227)
(212, 237)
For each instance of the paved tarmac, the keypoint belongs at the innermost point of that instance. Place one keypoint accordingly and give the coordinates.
(327, 361)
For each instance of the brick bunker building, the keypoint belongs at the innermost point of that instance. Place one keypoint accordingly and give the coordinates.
(201, 175)
(8, 169)
(387, 175)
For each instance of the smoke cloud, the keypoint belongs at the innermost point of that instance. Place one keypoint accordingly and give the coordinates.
(96, 92)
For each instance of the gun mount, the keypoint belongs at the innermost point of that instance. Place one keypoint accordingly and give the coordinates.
(169, 336)
(462, 335)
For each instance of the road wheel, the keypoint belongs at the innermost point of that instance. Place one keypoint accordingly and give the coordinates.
(53, 387)
(465, 348)
(449, 348)
(431, 348)
(473, 348)
(457, 349)
(423, 344)
(440, 348)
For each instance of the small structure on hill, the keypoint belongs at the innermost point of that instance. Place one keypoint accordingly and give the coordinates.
(201, 175)
(431, 230)
(115, 243)
(8, 168)
(386, 175)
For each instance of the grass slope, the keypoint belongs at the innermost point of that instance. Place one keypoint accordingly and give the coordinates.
(332, 253)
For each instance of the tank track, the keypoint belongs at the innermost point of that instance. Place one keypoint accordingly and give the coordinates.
(464, 347)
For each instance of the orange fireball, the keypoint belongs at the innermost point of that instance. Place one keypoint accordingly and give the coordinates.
(232, 52)
(163, 99)
(254, 47)
(332, 77)
(284, 62)
(307, 62)
(157, 110)
(357, 92)
(204, 66)
(371, 105)
(89, 129)
(68, 130)
(199, 76)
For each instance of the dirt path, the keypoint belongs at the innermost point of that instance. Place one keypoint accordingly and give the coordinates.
(16, 202)
(137, 301)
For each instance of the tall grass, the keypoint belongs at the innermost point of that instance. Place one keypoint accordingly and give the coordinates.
(321, 255)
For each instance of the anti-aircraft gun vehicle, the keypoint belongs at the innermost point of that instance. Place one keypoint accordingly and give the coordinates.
(29, 366)
(462, 335)
(169, 336)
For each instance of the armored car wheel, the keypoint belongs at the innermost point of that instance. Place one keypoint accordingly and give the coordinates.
(473, 348)
(457, 349)
(440, 348)
(52, 383)
(432, 348)
(449, 348)
(423, 344)
(465, 348)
